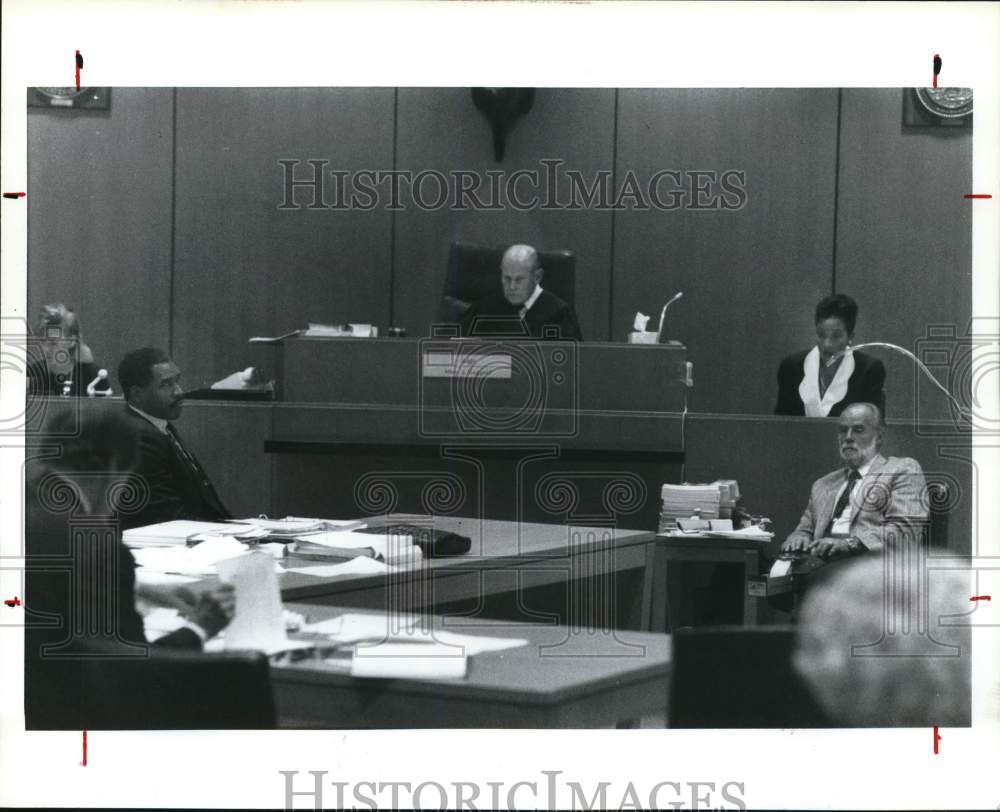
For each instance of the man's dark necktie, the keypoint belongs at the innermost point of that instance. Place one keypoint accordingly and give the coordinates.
(186, 457)
(845, 496)
(209, 494)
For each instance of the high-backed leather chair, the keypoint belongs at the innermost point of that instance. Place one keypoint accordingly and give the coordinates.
(474, 272)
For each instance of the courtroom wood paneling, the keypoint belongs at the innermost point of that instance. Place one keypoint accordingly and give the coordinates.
(904, 241)
(106, 187)
(441, 129)
(751, 278)
(471, 482)
(99, 204)
(242, 266)
(228, 439)
(776, 460)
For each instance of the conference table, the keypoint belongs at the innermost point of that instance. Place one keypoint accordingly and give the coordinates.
(506, 558)
(552, 682)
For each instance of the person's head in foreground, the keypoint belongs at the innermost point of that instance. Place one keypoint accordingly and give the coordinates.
(866, 665)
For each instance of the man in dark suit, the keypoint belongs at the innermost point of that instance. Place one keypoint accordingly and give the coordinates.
(145, 442)
(81, 582)
(524, 308)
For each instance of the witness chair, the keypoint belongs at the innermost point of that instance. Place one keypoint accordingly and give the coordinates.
(786, 593)
(474, 272)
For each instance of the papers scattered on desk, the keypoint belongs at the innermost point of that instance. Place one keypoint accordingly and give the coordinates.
(340, 331)
(292, 526)
(150, 577)
(202, 559)
(178, 533)
(218, 644)
(353, 628)
(747, 534)
(341, 544)
(362, 565)
(424, 654)
(163, 620)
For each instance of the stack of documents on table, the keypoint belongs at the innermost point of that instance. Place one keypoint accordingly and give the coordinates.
(343, 545)
(180, 533)
(291, 527)
(685, 501)
(729, 494)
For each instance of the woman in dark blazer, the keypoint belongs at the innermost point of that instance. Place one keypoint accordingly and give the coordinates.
(825, 380)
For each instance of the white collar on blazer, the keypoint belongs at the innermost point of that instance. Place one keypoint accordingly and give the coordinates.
(809, 388)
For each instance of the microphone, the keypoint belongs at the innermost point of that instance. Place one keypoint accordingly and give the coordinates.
(663, 313)
(92, 391)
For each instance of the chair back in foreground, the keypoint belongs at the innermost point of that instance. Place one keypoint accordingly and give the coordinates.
(179, 690)
(736, 677)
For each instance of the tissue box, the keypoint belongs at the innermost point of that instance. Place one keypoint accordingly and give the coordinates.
(642, 338)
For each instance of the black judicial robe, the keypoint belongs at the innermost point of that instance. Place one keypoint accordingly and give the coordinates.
(494, 316)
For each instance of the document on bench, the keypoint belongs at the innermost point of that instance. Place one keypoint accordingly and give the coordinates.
(409, 660)
(362, 565)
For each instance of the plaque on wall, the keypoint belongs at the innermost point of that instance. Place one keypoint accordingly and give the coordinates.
(937, 107)
(70, 98)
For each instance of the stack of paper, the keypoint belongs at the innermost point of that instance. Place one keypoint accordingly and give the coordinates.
(179, 533)
(729, 494)
(291, 527)
(684, 501)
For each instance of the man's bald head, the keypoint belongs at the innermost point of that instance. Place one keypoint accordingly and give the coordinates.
(520, 272)
(859, 434)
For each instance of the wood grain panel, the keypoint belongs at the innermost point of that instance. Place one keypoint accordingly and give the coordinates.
(751, 277)
(228, 439)
(904, 241)
(243, 267)
(440, 129)
(99, 218)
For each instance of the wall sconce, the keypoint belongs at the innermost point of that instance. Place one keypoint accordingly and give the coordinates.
(502, 106)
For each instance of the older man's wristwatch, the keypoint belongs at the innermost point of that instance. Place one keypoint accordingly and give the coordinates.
(855, 545)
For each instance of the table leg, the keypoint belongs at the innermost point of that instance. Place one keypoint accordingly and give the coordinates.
(660, 590)
(751, 569)
(648, 579)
